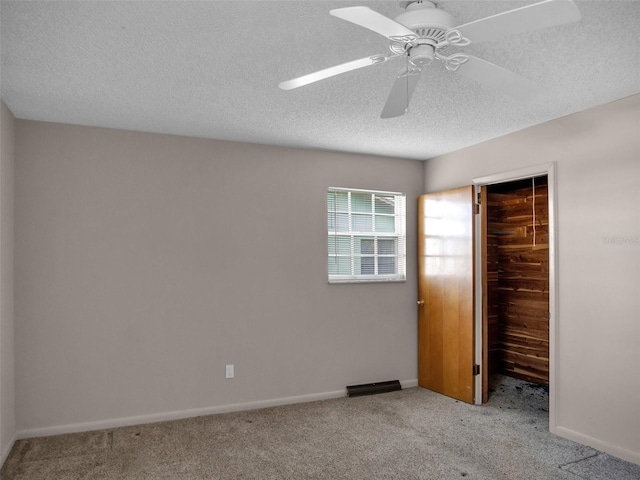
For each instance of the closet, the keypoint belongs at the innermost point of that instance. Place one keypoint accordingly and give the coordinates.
(518, 279)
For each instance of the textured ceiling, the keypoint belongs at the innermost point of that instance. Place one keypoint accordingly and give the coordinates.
(211, 69)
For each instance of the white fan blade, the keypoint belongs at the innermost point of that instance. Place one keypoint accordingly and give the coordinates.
(524, 19)
(400, 95)
(336, 70)
(367, 18)
(498, 78)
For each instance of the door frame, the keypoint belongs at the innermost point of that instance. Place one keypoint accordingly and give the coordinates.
(548, 169)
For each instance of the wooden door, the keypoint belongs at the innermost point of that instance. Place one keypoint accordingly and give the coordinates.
(446, 289)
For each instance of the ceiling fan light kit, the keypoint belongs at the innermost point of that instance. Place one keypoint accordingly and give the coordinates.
(423, 31)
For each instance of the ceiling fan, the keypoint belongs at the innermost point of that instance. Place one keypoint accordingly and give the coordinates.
(422, 34)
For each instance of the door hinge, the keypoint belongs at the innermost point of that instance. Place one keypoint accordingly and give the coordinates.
(476, 369)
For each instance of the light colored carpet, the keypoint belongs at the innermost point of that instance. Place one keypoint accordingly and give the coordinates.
(411, 434)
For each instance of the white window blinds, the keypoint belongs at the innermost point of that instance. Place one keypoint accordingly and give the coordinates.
(366, 236)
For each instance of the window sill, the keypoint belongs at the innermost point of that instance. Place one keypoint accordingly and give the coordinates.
(360, 279)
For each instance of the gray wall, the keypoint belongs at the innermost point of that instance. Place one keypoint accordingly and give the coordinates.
(598, 198)
(7, 390)
(145, 263)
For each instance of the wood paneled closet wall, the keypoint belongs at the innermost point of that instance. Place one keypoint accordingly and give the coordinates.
(518, 279)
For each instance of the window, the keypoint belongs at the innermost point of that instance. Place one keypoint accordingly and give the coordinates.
(366, 236)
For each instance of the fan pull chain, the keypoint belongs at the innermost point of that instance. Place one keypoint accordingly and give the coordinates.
(533, 181)
(406, 110)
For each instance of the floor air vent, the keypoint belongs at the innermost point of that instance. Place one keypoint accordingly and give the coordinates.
(373, 388)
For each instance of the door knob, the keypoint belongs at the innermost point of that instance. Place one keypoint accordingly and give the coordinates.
(421, 303)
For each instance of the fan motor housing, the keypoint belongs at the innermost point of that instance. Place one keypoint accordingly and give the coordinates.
(425, 16)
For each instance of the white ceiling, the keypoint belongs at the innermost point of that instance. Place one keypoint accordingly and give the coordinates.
(211, 69)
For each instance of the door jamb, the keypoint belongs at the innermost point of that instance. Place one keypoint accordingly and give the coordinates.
(548, 169)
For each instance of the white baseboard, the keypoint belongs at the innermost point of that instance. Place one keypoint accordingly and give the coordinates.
(601, 445)
(176, 415)
(409, 383)
(7, 450)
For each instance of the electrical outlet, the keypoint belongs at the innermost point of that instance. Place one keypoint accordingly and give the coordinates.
(229, 371)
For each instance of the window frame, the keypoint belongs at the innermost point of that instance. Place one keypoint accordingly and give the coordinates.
(398, 235)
